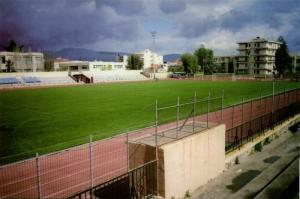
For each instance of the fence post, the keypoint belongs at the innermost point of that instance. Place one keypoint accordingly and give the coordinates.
(284, 97)
(208, 100)
(194, 111)
(243, 100)
(251, 120)
(243, 110)
(232, 117)
(273, 100)
(128, 155)
(91, 165)
(177, 117)
(222, 104)
(288, 96)
(38, 176)
(156, 121)
(260, 97)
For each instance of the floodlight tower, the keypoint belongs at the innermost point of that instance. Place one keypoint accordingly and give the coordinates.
(153, 34)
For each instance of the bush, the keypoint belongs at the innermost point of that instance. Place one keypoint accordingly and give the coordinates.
(267, 141)
(237, 160)
(258, 147)
(150, 196)
(176, 69)
(187, 194)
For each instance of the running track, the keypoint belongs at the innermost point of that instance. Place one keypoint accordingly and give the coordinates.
(67, 172)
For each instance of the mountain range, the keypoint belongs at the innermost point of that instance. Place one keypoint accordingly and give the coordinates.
(91, 55)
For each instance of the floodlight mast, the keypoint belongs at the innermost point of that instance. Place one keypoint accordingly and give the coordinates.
(153, 35)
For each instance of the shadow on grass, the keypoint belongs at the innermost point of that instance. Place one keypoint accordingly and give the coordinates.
(243, 179)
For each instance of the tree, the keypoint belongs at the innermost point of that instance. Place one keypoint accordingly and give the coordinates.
(282, 57)
(134, 63)
(176, 68)
(205, 58)
(189, 62)
(14, 47)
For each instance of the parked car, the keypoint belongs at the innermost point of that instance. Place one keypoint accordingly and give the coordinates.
(179, 75)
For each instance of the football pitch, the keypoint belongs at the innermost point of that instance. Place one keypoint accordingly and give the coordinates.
(49, 119)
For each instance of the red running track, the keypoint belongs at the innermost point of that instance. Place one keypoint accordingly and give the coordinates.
(68, 172)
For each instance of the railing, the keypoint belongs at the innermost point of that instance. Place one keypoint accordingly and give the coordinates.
(137, 183)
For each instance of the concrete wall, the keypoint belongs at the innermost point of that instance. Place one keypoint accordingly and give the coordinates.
(191, 162)
(140, 154)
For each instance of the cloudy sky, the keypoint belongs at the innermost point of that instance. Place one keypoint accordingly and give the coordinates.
(125, 25)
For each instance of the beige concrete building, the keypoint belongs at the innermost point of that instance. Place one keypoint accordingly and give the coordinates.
(21, 62)
(150, 59)
(257, 56)
(70, 65)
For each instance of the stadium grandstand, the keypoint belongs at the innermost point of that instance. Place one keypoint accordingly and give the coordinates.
(67, 78)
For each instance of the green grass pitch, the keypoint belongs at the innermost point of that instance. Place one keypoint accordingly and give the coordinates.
(48, 119)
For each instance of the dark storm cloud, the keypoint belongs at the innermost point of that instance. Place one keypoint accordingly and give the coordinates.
(258, 12)
(62, 23)
(172, 6)
(124, 24)
(123, 7)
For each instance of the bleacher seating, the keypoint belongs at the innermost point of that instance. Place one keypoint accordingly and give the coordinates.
(63, 77)
(31, 80)
(56, 80)
(9, 80)
(108, 76)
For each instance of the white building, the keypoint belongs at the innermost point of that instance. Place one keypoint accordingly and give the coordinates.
(95, 66)
(21, 62)
(257, 56)
(70, 65)
(150, 59)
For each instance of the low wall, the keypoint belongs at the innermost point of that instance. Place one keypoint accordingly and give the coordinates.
(192, 161)
(140, 154)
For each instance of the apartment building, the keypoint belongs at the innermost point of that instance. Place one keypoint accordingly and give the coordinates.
(295, 62)
(256, 56)
(150, 59)
(21, 62)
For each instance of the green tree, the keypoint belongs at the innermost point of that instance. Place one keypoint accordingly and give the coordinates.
(175, 69)
(14, 47)
(282, 57)
(134, 62)
(189, 62)
(205, 59)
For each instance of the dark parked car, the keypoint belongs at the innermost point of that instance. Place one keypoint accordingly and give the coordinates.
(179, 75)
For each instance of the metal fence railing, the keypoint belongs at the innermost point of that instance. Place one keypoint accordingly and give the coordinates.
(64, 173)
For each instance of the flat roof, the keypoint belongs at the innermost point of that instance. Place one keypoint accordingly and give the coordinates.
(171, 135)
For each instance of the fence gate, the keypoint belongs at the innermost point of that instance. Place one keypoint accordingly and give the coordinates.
(135, 184)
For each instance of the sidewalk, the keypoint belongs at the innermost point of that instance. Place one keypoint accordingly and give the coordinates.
(256, 166)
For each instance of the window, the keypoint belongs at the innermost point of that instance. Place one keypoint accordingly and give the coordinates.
(118, 66)
(100, 67)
